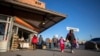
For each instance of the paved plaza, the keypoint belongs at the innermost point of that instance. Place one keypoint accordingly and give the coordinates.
(53, 52)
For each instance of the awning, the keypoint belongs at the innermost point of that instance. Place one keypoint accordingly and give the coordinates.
(41, 19)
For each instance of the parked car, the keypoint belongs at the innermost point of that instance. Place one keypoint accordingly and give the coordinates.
(93, 44)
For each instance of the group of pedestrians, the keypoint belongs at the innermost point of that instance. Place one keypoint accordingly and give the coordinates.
(69, 37)
(37, 42)
(72, 40)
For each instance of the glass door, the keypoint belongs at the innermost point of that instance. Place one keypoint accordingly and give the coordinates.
(6, 24)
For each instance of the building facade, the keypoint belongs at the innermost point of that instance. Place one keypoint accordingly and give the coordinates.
(21, 19)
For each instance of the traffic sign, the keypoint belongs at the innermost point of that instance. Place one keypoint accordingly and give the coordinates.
(73, 28)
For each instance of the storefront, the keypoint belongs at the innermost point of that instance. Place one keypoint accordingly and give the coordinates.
(20, 21)
(11, 31)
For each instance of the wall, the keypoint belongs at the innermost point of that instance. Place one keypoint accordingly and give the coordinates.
(33, 2)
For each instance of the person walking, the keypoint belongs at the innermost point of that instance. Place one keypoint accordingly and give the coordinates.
(62, 45)
(71, 37)
(41, 42)
(34, 41)
(55, 42)
(47, 42)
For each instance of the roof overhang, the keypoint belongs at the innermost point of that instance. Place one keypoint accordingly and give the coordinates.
(39, 18)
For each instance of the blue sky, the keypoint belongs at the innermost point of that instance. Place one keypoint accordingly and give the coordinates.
(82, 14)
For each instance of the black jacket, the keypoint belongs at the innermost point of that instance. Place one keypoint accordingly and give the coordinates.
(70, 37)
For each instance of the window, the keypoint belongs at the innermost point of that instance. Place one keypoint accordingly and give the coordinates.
(3, 17)
(95, 39)
(2, 30)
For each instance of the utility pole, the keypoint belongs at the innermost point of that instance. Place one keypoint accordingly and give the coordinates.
(90, 36)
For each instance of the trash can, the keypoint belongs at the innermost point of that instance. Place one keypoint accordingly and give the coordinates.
(3, 46)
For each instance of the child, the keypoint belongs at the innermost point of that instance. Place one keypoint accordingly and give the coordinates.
(62, 45)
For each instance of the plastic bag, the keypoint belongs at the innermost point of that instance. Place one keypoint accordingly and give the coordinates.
(77, 45)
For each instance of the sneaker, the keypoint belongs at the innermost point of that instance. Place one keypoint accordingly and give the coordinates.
(62, 51)
(72, 51)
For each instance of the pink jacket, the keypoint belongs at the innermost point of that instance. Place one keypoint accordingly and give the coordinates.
(61, 41)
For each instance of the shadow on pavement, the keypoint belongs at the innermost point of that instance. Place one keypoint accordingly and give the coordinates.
(18, 55)
(56, 50)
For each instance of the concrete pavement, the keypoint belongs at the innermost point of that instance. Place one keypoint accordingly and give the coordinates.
(55, 52)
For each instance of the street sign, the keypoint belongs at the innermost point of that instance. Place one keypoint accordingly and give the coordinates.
(73, 28)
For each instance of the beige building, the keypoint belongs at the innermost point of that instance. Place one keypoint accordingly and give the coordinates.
(21, 19)
(36, 3)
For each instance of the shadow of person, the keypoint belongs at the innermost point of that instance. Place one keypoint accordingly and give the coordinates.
(18, 55)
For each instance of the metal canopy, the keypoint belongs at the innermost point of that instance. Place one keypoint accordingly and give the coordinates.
(39, 18)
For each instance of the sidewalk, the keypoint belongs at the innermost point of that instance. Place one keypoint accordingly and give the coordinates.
(50, 53)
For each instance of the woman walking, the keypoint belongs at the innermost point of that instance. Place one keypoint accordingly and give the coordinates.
(72, 40)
